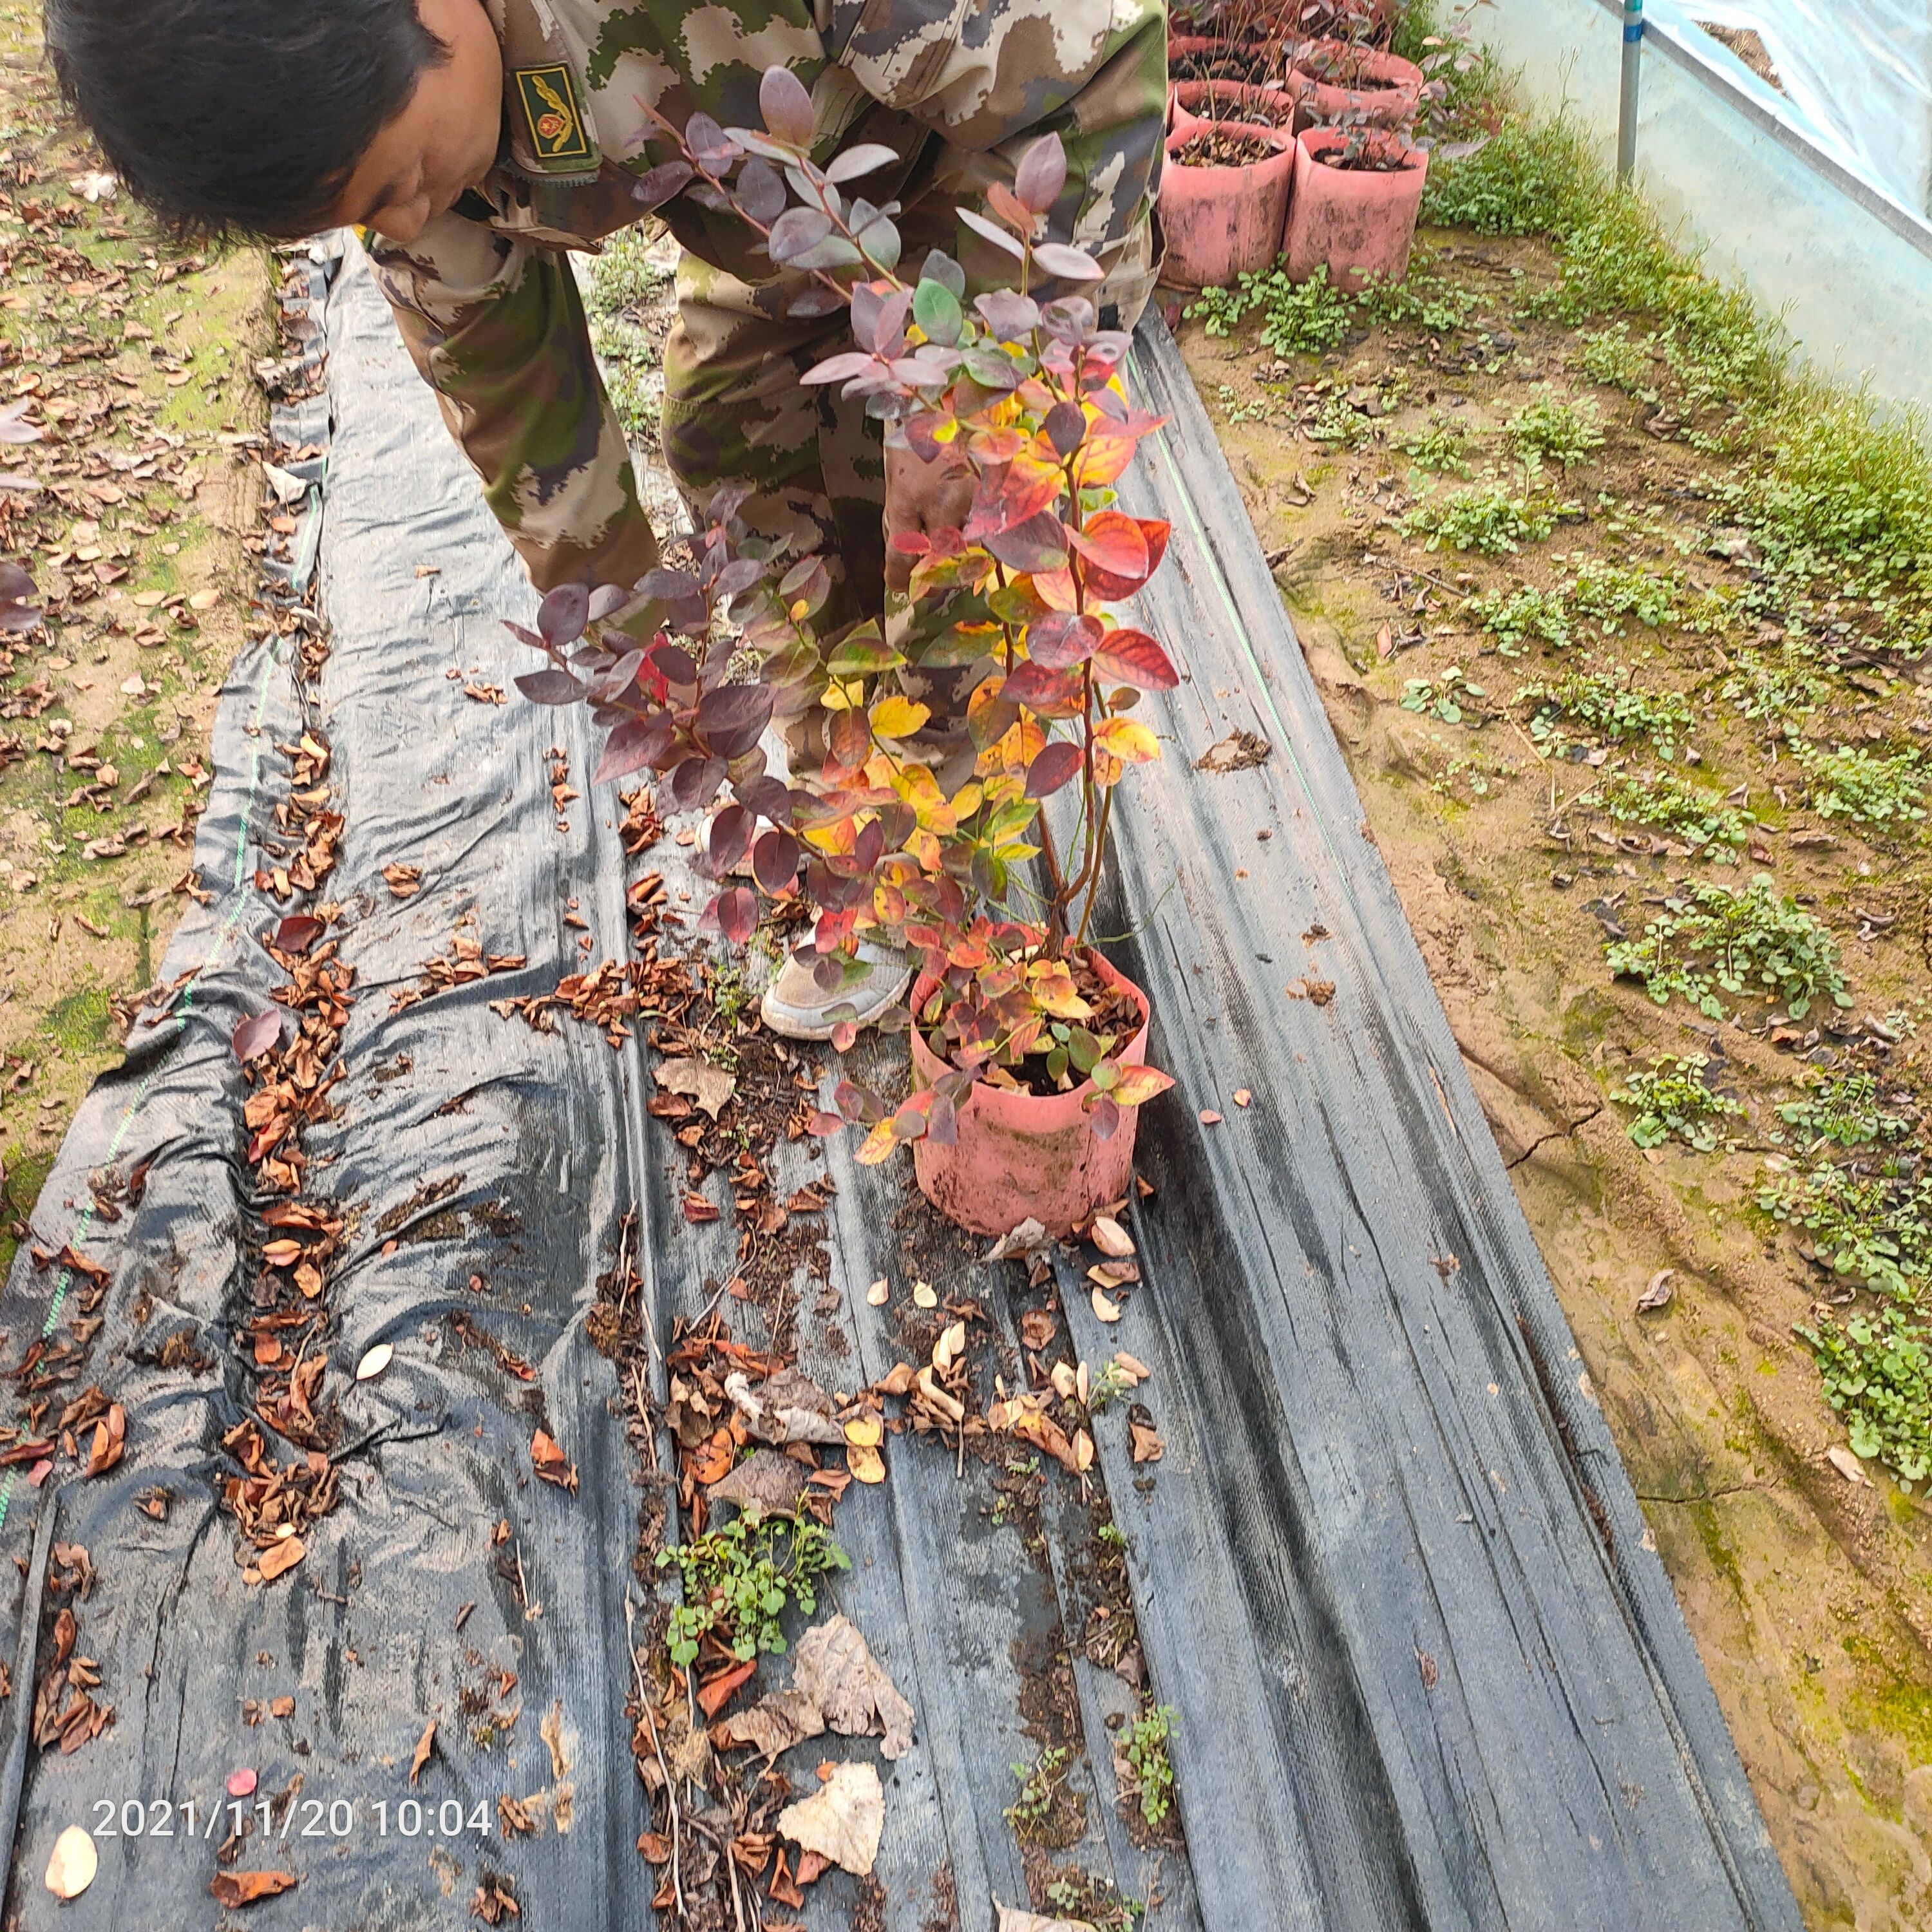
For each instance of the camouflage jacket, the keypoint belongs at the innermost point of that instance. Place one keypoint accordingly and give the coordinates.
(485, 298)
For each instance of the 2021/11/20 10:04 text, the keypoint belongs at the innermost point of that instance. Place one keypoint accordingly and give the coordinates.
(319, 1818)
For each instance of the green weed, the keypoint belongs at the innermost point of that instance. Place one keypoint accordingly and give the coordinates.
(739, 1579)
(1566, 433)
(1150, 1766)
(1441, 447)
(1525, 613)
(1861, 786)
(1778, 695)
(1446, 695)
(1674, 1102)
(1485, 517)
(1297, 318)
(1877, 1370)
(1875, 1227)
(1611, 357)
(1040, 1784)
(1669, 803)
(1709, 938)
(1607, 704)
(1843, 1110)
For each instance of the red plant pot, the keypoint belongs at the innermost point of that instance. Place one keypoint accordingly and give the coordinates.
(1221, 223)
(1182, 48)
(1020, 1156)
(1358, 222)
(1186, 99)
(1382, 89)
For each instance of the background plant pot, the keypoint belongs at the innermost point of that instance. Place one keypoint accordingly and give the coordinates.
(1187, 101)
(1198, 56)
(1360, 222)
(1385, 93)
(1021, 1156)
(1220, 223)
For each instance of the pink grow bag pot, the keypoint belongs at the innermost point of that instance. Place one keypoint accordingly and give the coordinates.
(1360, 222)
(1026, 1156)
(1220, 223)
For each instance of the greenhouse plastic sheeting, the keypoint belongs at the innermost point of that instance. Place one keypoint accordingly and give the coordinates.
(1860, 71)
(1389, 1571)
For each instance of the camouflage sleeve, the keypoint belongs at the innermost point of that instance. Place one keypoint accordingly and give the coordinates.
(497, 328)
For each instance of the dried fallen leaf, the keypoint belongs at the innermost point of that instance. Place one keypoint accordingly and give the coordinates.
(238, 1888)
(1658, 1294)
(253, 1037)
(1111, 1238)
(925, 1295)
(1146, 1442)
(551, 1464)
(1013, 1921)
(1104, 1310)
(1242, 1096)
(698, 1080)
(843, 1821)
(1209, 1118)
(425, 1745)
(837, 1671)
(71, 1869)
(242, 1783)
(279, 1557)
(1847, 1464)
(950, 1346)
(1132, 1367)
(1030, 1235)
(374, 1362)
(766, 1483)
(404, 881)
(864, 1431)
(876, 1294)
(868, 1464)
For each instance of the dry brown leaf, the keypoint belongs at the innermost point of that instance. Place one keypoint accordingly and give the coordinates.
(1658, 1294)
(279, 1557)
(551, 1464)
(1104, 1310)
(785, 1408)
(238, 1888)
(1013, 1921)
(1847, 1464)
(766, 1483)
(773, 1724)
(877, 1294)
(425, 1745)
(843, 1821)
(1111, 1238)
(950, 1346)
(868, 1464)
(75, 1860)
(698, 1080)
(373, 1363)
(837, 1670)
(1148, 1445)
(404, 881)
(925, 1295)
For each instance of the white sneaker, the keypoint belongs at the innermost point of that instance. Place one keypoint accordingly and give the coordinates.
(796, 1006)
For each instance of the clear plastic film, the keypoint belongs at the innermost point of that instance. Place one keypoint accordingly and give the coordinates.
(1860, 70)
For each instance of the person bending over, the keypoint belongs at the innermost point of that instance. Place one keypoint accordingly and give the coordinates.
(477, 142)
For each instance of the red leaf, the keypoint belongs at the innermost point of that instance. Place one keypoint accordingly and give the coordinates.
(1009, 493)
(239, 1888)
(296, 934)
(635, 743)
(1062, 639)
(253, 1037)
(1114, 542)
(1052, 769)
(775, 860)
(737, 912)
(1043, 691)
(1133, 657)
(712, 1696)
(1041, 175)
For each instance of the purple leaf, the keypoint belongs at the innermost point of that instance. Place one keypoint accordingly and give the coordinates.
(554, 686)
(1106, 1117)
(1000, 238)
(942, 1122)
(775, 860)
(524, 634)
(761, 194)
(606, 600)
(1070, 265)
(817, 301)
(1009, 314)
(862, 160)
(1039, 543)
(732, 719)
(253, 1037)
(1062, 638)
(796, 232)
(695, 783)
(769, 798)
(563, 613)
(635, 744)
(1065, 427)
(786, 107)
(1042, 174)
(709, 143)
(731, 834)
(668, 587)
(653, 189)
(841, 367)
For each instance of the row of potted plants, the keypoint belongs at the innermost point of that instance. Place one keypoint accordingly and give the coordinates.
(1282, 141)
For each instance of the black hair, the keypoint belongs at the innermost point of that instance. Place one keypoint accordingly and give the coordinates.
(237, 117)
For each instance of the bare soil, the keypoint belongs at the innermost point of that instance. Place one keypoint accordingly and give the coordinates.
(1807, 1592)
(136, 363)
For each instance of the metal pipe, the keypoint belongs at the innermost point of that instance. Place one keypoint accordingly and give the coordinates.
(1627, 91)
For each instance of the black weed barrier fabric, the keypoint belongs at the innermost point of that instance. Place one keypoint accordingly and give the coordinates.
(1388, 1572)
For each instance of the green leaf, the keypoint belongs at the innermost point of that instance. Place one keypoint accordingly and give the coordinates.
(937, 310)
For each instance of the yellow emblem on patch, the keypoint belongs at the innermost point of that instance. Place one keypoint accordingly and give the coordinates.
(549, 97)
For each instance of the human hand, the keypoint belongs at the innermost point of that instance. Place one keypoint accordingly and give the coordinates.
(922, 497)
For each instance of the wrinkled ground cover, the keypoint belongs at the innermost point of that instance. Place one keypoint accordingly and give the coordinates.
(135, 365)
(1624, 622)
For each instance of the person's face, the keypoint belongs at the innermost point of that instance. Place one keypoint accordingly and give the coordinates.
(444, 140)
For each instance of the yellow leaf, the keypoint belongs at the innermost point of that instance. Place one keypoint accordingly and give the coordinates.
(1130, 742)
(1139, 1084)
(1052, 989)
(877, 1144)
(897, 716)
(864, 1431)
(868, 1464)
(925, 1295)
(1105, 1310)
(838, 697)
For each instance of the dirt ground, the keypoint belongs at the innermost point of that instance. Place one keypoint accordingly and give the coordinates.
(1806, 1589)
(135, 364)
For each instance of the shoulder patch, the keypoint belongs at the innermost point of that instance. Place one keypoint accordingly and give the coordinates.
(553, 114)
